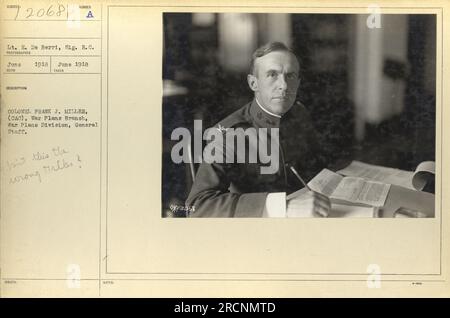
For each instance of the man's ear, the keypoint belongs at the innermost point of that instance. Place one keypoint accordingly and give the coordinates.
(252, 82)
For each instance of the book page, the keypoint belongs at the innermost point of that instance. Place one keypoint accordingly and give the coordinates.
(362, 191)
(378, 173)
(325, 182)
(355, 190)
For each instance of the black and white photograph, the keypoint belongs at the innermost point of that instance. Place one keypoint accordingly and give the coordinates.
(246, 151)
(299, 115)
(241, 152)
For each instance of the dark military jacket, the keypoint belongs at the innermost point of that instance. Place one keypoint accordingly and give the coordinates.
(240, 189)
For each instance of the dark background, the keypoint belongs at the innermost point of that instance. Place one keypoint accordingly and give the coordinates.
(370, 92)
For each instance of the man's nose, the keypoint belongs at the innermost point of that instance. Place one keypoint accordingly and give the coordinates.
(282, 83)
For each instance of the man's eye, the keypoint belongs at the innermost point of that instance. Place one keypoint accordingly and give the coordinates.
(272, 74)
(292, 76)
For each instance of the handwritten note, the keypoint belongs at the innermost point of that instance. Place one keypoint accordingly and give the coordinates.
(39, 165)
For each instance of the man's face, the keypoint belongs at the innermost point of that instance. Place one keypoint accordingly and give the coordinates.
(275, 81)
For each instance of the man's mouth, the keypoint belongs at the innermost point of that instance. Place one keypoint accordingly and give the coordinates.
(285, 96)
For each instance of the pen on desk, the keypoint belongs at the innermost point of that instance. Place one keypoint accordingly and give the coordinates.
(299, 178)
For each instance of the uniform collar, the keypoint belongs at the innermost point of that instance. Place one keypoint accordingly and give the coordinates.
(265, 110)
(262, 117)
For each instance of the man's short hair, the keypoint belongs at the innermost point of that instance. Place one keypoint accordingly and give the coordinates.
(268, 48)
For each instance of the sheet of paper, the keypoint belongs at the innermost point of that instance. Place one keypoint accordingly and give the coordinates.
(349, 211)
(378, 173)
(352, 189)
(423, 172)
(339, 210)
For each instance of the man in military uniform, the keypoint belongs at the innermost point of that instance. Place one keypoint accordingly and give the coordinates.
(224, 189)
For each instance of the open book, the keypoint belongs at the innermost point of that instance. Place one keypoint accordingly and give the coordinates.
(350, 190)
(412, 180)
